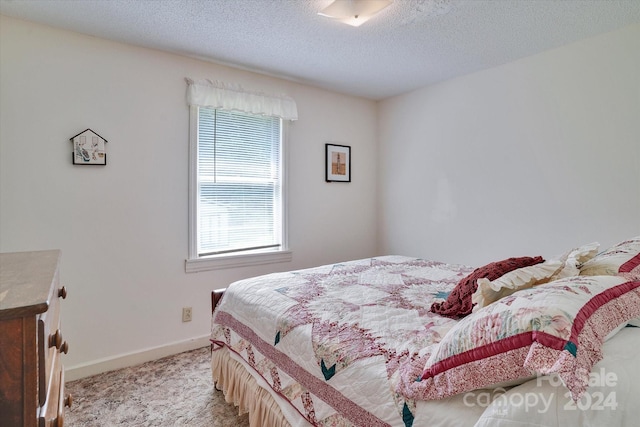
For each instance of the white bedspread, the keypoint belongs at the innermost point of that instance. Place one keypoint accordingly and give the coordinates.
(330, 339)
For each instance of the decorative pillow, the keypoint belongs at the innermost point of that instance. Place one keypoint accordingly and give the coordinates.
(459, 303)
(622, 259)
(574, 258)
(557, 327)
(522, 278)
(565, 266)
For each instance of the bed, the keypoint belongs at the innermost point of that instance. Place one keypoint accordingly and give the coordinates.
(402, 341)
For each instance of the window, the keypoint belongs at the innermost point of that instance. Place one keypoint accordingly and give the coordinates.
(237, 189)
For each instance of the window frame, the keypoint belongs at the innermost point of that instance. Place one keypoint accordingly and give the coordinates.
(196, 263)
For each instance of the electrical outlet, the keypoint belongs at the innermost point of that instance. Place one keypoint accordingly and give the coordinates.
(186, 314)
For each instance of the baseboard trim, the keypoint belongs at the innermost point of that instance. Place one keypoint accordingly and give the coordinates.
(131, 359)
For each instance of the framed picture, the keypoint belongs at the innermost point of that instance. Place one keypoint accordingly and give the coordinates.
(88, 149)
(337, 163)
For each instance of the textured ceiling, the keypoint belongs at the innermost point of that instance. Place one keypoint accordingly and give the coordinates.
(410, 44)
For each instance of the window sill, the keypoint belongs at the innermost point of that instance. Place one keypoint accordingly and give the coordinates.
(234, 261)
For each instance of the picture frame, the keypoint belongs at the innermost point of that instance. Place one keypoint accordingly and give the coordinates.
(88, 149)
(337, 163)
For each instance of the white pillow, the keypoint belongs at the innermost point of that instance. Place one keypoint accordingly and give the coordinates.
(522, 278)
(621, 259)
(574, 259)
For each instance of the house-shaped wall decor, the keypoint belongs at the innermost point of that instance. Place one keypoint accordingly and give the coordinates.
(88, 148)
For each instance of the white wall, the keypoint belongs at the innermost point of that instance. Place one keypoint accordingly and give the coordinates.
(122, 228)
(527, 158)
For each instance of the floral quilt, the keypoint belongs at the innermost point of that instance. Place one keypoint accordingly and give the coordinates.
(331, 339)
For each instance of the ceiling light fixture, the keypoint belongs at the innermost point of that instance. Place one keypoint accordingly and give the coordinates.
(354, 12)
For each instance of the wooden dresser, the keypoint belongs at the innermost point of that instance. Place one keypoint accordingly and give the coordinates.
(31, 342)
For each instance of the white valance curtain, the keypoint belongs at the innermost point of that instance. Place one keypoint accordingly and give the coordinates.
(225, 96)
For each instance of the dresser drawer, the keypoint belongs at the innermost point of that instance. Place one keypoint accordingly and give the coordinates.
(50, 343)
(63, 401)
(52, 412)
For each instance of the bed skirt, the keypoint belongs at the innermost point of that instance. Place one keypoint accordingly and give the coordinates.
(242, 389)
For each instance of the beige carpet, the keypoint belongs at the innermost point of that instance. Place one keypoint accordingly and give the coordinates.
(173, 391)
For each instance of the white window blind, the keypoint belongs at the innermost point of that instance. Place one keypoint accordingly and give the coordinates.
(239, 182)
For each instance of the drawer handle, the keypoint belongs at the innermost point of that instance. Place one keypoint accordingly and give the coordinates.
(62, 293)
(64, 348)
(55, 340)
(59, 422)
